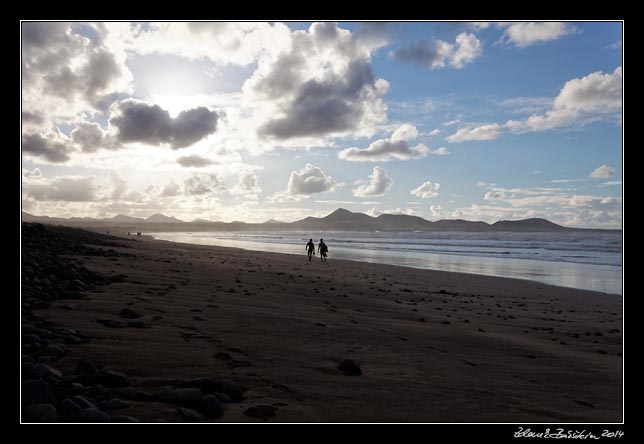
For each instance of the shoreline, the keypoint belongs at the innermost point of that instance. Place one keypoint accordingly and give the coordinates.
(432, 346)
(151, 236)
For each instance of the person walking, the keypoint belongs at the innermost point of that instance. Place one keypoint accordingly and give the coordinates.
(310, 247)
(322, 249)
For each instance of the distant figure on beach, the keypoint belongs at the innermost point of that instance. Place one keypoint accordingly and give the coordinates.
(310, 247)
(322, 249)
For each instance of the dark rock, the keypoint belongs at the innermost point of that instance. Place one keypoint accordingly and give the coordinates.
(130, 314)
(348, 367)
(40, 413)
(114, 404)
(48, 373)
(30, 339)
(86, 367)
(180, 396)
(69, 306)
(93, 415)
(69, 408)
(136, 324)
(191, 415)
(133, 394)
(55, 350)
(123, 418)
(223, 397)
(211, 406)
(73, 294)
(223, 356)
(260, 411)
(230, 388)
(111, 378)
(37, 391)
(83, 402)
(112, 324)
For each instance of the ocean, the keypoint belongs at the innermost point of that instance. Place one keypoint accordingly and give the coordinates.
(590, 260)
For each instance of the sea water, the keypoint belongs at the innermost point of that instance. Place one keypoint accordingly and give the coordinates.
(590, 260)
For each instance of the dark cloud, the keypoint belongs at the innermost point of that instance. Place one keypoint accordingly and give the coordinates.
(28, 117)
(54, 151)
(88, 136)
(194, 161)
(140, 122)
(323, 85)
(321, 108)
(199, 184)
(379, 32)
(426, 52)
(68, 189)
(384, 150)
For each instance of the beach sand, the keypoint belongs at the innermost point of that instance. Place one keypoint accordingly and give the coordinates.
(432, 346)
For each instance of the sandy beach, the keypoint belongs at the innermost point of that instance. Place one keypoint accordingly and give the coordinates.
(431, 346)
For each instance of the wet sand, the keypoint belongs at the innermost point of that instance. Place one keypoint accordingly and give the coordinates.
(432, 346)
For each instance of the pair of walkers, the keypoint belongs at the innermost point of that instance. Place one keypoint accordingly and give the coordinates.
(322, 249)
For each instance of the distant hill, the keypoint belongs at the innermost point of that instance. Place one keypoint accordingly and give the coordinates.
(162, 219)
(338, 220)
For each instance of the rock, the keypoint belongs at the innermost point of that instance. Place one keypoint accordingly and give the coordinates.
(133, 394)
(230, 388)
(83, 402)
(130, 314)
(40, 413)
(123, 418)
(69, 408)
(223, 397)
(55, 350)
(30, 339)
(37, 391)
(191, 415)
(260, 411)
(223, 356)
(94, 415)
(48, 373)
(348, 367)
(180, 396)
(69, 306)
(206, 385)
(114, 404)
(73, 294)
(136, 324)
(211, 406)
(111, 324)
(111, 378)
(86, 367)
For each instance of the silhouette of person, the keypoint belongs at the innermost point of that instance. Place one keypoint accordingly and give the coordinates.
(310, 247)
(322, 249)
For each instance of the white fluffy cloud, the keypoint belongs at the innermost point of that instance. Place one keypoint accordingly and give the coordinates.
(594, 96)
(376, 184)
(306, 182)
(522, 34)
(602, 172)
(200, 184)
(62, 188)
(426, 190)
(438, 53)
(396, 147)
(321, 84)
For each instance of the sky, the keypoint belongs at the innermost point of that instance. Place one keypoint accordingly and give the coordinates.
(251, 121)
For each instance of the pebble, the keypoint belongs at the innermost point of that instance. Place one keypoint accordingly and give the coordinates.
(40, 413)
(348, 367)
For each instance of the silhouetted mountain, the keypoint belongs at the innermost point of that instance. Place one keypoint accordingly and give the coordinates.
(124, 218)
(162, 218)
(338, 220)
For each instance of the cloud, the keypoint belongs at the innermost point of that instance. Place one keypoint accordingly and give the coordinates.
(248, 183)
(396, 147)
(89, 137)
(438, 53)
(119, 185)
(483, 132)
(194, 161)
(65, 74)
(310, 180)
(376, 184)
(611, 183)
(321, 85)
(199, 184)
(494, 195)
(437, 211)
(426, 190)
(170, 190)
(62, 188)
(52, 145)
(375, 212)
(581, 100)
(480, 183)
(602, 172)
(137, 121)
(522, 34)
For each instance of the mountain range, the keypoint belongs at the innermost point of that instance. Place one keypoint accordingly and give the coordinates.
(339, 220)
